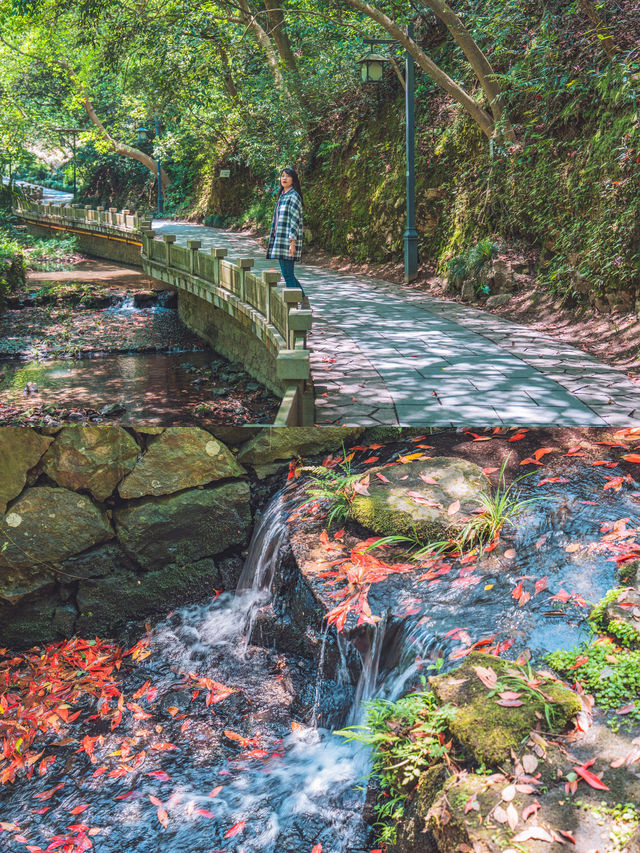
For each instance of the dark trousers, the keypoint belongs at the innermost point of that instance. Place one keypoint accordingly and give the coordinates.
(286, 267)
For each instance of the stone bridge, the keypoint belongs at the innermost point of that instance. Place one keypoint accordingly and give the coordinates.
(244, 316)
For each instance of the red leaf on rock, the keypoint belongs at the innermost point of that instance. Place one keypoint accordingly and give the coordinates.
(590, 778)
(235, 829)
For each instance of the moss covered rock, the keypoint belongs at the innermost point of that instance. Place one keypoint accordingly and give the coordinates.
(46, 526)
(20, 449)
(489, 731)
(185, 527)
(289, 442)
(94, 458)
(432, 497)
(179, 458)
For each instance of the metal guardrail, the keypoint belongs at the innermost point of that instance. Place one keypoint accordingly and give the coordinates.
(272, 313)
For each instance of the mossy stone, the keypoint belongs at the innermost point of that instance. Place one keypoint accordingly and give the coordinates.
(91, 458)
(489, 731)
(21, 448)
(408, 503)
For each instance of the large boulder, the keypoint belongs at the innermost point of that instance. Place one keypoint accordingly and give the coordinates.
(431, 497)
(91, 458)
(189, 526)
(21, 449)
(275, 443)
(46, 525)
(179, 458)
(489, 731)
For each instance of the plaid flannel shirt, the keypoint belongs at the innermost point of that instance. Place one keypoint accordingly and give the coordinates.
(286, 226)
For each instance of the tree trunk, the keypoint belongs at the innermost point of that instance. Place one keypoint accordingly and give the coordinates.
(478, 61)
(278, 32)
(480, 116)
(607, 42)
(265, 43)
(122, 148)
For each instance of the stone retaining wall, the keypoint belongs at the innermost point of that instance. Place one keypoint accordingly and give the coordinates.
(101, 525)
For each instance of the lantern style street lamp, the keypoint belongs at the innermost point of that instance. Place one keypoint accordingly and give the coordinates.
(372, 65)
(144, 135)
(372, 68)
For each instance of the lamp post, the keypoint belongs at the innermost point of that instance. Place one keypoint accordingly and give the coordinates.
(372, 65)
(144, 134)
(74, 131)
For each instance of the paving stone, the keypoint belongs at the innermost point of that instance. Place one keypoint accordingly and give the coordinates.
(502, 372)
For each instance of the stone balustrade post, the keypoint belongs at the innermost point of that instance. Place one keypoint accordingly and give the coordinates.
(148, 235)
(270, 278)
(298, 324)
(112, 215)
(87, 214)
(218, 254)
(100, 212)
(292, 296)
(193, 246)
(245, 264)
(169, 239)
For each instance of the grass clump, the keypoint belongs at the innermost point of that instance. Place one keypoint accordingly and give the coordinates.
(407, 738)
(333, 487)
(474, 264)
(606, 670)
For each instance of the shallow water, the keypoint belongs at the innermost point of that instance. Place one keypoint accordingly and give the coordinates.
(289, 785)
(154, 387)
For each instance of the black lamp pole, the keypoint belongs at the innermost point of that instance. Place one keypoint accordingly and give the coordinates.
(410, 235)
(371, 72)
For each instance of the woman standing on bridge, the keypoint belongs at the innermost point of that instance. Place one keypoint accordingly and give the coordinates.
(285, 240)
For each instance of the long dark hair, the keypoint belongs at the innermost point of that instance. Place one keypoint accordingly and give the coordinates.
(296, 181)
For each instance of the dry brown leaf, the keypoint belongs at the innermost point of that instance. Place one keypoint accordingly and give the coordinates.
(513, 818)
(529, 762)
(500, 814)
(509, 793)
(533, 833)
(486, 675)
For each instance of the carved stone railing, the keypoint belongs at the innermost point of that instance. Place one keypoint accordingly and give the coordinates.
(107, 233)
(244, 316)
(256, 308)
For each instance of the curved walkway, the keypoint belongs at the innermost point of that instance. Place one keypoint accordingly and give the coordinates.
(386, 355)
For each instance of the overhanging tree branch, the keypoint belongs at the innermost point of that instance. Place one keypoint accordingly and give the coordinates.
(482, 118)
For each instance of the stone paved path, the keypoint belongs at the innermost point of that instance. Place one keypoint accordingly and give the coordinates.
(382, 354)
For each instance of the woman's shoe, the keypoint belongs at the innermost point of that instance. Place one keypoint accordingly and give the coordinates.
(305, 303)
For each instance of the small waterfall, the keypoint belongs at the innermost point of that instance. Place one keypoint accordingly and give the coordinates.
(366, 686)
(254, 585)
(319, 677)
(125, 306)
